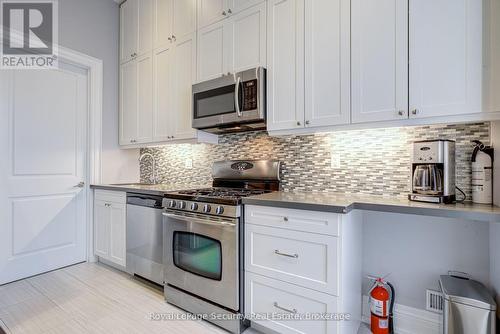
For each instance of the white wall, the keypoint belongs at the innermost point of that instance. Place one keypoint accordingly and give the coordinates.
(416, 250)
(92, 27)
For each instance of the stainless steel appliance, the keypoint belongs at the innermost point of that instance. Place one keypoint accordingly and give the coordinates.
(145, 237)
(468, 307)
(232, 103)
(203, 240)
(433, 171)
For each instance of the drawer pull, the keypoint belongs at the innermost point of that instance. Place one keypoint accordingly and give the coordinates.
(285, 219)
(293, 311)
(277, 252)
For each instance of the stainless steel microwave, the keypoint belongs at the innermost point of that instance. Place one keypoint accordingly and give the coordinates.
(232, 103)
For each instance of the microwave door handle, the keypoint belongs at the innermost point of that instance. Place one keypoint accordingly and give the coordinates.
(199, 221)
(237, 96)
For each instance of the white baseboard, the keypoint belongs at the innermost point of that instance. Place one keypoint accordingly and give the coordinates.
(409, 320)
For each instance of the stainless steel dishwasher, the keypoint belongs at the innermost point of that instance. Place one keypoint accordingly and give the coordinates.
(145, 237)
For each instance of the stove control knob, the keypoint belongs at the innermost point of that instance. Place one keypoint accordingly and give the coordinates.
(219, 210)
(182, 205)
(194, 206)
(172, 204)
(207, 208)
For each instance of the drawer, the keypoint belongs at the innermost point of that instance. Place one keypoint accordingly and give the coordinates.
(118, 197)
(267, 296)
(306, 259)
(299, 220)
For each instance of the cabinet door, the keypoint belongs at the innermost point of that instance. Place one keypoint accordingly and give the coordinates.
(162, 22)
(145, 98)
(379, 60)
(327, 62)
(145, 26)
(445, 57)
(211, 11)
(102, 218)
(183, 78)
(247, 33)
(128, 103)
(211, 52)
(128, 30)
(237, 6)
(163, 120)
(285, 62)
(117, 237)
(184, 18)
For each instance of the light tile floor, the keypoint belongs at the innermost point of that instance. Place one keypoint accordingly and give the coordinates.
(89, 298)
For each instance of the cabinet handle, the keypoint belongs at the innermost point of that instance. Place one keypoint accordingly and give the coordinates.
(293, 311)
(277, 252)
(170, 39)
(285, 219)
(298, 123)
(414, 111)
(174, 38)
(401, 113)
(229, 11)
(224, 13)
(107, 205)
(307, 122)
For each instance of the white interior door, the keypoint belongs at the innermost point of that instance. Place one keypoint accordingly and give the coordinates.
(43, 122)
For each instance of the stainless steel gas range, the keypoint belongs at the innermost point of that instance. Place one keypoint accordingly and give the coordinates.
(203, 241)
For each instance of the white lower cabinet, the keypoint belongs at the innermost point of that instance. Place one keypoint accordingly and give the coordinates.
(301, 263)
(110, 220)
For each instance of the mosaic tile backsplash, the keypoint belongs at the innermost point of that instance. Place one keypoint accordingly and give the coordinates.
(373, 161)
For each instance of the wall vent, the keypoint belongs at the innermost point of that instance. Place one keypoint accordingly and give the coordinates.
(435, 301)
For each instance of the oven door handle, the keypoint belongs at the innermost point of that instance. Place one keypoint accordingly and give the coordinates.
(237, 96)
(199, 220)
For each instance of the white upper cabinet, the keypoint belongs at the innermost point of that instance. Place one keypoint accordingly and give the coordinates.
(145, 98)
(128, 30)
(128, 103)
(247, 33)
(446, 57)
(145, 26)
(379, 60)
(232, 45)
(211, 11)
(184, 74)
(184, 18)
(163, 125)
(211, 52)
(162, 24)
(285, 63)
(327, 63)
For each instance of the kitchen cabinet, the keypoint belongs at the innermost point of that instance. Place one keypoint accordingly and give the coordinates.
(136, 29)
(446, 57)
(211, 11)
(309, 66)
(174, 19)
(379, 60)
(280, 245)
(285, 63)
(233, 45)
(174, 75)
(136, 101)
(327, 63)
(110, 226)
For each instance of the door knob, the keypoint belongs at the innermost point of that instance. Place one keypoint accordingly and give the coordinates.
(80, 185)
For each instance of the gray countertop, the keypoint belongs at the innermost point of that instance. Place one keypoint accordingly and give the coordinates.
(341, 203)
(333, 202)
(148, 189)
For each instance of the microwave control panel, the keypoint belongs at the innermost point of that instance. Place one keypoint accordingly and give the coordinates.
(249, 95)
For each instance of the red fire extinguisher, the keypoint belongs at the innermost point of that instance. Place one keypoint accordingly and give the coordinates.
(381, 307)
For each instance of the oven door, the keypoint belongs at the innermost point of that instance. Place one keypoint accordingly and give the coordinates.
(201, 256)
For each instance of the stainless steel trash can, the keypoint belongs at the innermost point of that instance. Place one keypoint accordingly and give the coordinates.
(469, 307)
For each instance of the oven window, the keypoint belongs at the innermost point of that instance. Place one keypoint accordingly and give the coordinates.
(198, 254)
(214, 102)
